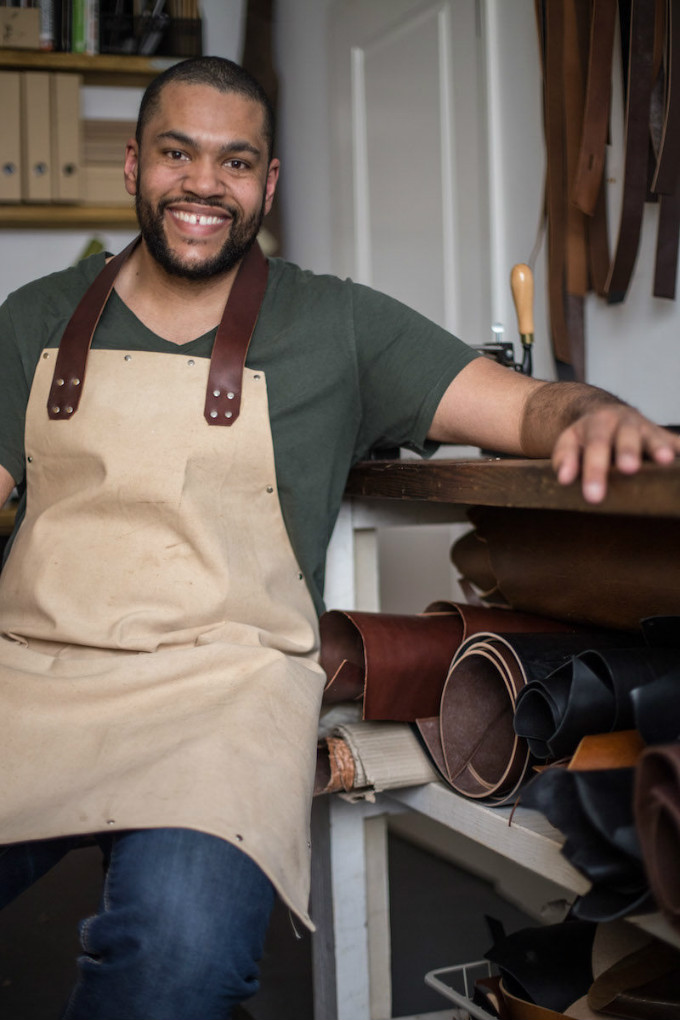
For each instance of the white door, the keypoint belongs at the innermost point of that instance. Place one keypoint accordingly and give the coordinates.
(410, 201)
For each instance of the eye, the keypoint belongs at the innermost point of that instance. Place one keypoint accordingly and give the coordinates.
(236, 164)
(175, 155)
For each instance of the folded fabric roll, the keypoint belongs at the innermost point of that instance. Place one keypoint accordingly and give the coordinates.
(594, 810)
(398, 663)
(611, 571)
(472, 739)
(370, 757)
(657, 818)
(591, 693)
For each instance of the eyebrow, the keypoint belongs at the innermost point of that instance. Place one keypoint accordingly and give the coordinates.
(238, 145)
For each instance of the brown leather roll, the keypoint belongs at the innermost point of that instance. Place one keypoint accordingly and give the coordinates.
(657, 820)
(591, 569)
(472, 740)
(398, 663)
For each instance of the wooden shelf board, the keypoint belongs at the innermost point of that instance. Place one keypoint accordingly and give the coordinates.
(67, 217)
(653, 491)
(100, 69)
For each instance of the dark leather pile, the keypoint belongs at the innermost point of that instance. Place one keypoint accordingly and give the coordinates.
(582, 970)
(579, 722)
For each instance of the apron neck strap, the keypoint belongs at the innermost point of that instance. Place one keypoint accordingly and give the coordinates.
(223, 393)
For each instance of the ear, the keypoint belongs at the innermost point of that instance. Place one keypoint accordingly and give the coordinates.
(270, 186)
(131, 166)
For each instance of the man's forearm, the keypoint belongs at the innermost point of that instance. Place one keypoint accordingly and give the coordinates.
(552, 408)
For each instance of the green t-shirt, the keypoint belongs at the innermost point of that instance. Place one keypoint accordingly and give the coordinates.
(348, 370)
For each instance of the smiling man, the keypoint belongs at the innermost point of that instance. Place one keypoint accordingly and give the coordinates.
(180, 420)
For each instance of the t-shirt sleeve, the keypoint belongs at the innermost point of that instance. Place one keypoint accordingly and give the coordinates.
(14, 390)
(405, 364)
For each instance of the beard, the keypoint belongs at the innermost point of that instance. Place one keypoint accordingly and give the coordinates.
(241, 238)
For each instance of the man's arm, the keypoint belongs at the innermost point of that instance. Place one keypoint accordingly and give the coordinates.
(6, 485)
(581, 428)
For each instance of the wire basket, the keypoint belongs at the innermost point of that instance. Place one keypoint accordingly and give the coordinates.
(458, 984)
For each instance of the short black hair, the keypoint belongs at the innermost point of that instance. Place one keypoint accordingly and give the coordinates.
(217, 72)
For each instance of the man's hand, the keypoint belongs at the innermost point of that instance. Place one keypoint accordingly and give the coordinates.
(612, 433)
(582, 428)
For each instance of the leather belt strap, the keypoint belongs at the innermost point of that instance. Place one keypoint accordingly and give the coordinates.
(591, 158)
(638, 98)
(223, 391)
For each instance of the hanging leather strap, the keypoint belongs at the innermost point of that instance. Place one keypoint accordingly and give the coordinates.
(640, 47)
(591, 157)
(223, 392)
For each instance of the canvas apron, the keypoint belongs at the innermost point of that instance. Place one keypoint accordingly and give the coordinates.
(158, 657)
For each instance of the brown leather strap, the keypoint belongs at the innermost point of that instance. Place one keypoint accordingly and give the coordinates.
(576, 17)
(591, 158)
(556, 185)
(69, 370)
(668, 155)
(223, 392)
(638, 98)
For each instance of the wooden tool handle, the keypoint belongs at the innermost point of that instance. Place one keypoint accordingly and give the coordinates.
(522, 284)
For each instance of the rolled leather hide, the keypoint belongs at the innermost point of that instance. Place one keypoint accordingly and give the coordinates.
(398, 663)
(589, 694)
(601, 569)
(472, 738)
(657, 818)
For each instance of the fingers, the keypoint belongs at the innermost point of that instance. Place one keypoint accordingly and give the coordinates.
(618, 435)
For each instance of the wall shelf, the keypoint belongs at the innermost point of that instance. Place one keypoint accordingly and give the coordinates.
(67, 217)
(98, 69)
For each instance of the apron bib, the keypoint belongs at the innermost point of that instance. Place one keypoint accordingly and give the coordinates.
(159, 646)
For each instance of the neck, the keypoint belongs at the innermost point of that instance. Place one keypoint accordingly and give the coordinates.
(173, 307)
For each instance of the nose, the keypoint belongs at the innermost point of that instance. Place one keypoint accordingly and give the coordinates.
(203, 178)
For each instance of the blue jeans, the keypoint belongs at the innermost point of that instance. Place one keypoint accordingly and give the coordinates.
(179, 930)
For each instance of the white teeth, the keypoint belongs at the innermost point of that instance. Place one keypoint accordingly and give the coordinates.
(204, 221)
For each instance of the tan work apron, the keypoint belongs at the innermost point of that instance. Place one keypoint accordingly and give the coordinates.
(158, 658)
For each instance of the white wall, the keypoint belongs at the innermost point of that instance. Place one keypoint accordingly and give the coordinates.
(633, 348)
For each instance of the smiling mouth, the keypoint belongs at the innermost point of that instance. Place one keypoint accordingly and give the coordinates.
(198, 219)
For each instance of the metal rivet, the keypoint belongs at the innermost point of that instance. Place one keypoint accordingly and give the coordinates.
(69, 410)
(30, 460)
(45, 355)
(76, 382)
(239, 837)
(56, 410)
(228, 414)
(128, 357)
(301, 577)
(60, 382)
(270, 488)
(213, 414)
(216, 393)
(256, 377)
(110, 821)
(309, 845)
(230, 396)
(191, 361)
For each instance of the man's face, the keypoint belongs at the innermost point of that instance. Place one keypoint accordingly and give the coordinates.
(201, 179)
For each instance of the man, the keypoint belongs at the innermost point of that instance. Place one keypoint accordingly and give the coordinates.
(158, 637)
